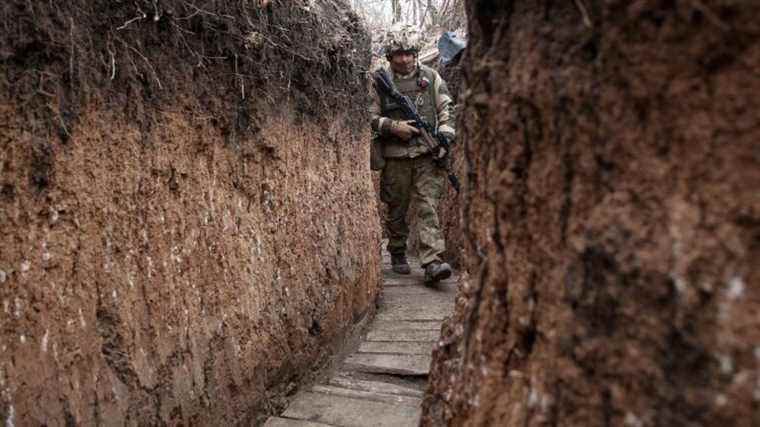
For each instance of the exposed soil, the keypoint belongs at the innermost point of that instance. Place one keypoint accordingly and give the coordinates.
(451, 206)
(187, 222)
(611, 218)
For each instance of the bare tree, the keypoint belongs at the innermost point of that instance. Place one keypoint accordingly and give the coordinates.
(452, 14)
(433, 13)
(396, 8)
(427, 15)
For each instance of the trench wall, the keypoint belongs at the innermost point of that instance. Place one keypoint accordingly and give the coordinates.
(187, 222)
(611, 220)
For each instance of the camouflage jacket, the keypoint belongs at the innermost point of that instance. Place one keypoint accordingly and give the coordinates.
(428, 91)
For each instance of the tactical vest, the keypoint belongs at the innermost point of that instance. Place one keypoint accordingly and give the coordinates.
(423, 99)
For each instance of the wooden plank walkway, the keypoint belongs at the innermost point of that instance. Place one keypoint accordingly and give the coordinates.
(381, 384)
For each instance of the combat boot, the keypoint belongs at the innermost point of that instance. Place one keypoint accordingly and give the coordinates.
(437, 271)
(399, 264)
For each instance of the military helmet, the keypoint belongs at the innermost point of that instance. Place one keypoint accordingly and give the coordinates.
(402, 38)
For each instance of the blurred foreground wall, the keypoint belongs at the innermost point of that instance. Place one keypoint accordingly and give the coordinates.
(612, 218)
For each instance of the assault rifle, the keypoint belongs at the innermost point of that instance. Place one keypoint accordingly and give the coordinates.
(438, 144)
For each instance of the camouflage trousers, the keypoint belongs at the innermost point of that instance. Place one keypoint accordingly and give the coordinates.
(402, 181)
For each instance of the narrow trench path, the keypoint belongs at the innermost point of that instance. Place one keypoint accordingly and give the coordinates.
(382, 382)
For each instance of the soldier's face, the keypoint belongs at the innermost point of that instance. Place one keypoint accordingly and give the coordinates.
(402, 62)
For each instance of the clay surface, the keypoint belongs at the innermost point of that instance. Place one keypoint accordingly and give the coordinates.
(451, 207)
(187, 223)
(612, 223)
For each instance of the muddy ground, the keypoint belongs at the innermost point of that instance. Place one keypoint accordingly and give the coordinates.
(611, 222)
(187, 221)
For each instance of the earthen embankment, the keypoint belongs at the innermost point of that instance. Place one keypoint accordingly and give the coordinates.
(187, 223)
(611, 218)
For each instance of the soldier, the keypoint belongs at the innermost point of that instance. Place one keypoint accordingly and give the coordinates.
(409, 171)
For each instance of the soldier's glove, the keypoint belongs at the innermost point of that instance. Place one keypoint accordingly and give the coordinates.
(440, 153)
(404, 129)
(440, 156)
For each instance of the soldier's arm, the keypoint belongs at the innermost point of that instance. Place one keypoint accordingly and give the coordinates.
(443, 104)
(384, 126)
(380, 125)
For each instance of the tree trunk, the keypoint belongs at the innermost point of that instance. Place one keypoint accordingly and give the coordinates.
(433, 13)
(396, 8)
(611, 218)
(451, 14)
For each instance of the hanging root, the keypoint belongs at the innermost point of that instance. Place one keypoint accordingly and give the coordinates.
(584, 13)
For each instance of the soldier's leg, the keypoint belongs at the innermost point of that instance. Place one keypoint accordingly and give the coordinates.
(395, 191)
(429, 187)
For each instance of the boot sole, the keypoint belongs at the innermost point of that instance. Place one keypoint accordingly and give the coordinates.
(443, 275)
(407, 270)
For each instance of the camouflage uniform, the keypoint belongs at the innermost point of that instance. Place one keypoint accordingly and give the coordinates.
(409, 171)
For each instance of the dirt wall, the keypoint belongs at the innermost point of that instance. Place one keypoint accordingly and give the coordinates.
(187, 221)
(612, 220)
(451, 206)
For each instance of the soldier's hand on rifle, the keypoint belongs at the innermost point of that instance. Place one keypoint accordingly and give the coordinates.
(404, 129)
(440, 153)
